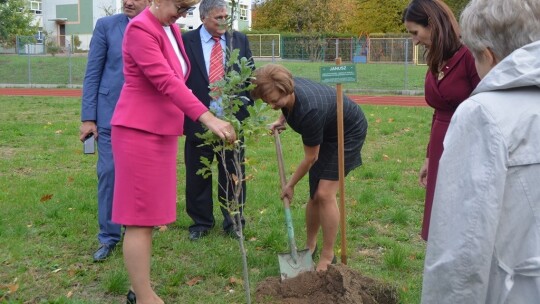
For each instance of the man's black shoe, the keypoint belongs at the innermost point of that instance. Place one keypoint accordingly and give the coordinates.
(234, 234)
(196, 235)
(103, 252)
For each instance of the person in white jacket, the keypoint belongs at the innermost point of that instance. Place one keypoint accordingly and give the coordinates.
(484, 244)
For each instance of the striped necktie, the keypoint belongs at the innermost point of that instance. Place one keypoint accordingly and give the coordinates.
(216, 62)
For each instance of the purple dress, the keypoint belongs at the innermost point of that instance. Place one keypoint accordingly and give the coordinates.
(444, 96)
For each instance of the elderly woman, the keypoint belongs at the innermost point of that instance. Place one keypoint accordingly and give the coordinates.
(310, 109)
(146, 124)
(484, 243)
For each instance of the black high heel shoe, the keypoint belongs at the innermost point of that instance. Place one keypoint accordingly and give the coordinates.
(314, 253)
(131, 298)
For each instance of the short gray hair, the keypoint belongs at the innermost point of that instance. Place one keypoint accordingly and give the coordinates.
(500, 25)
(208, 6)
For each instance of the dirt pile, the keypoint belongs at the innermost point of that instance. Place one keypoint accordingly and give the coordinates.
(339, 285)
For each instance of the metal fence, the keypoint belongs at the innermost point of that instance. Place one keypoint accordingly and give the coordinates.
(42, 45)
(265, 45)
(384, 65)
(354, 49)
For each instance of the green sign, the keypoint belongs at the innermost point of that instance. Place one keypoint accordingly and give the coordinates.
(338, 74)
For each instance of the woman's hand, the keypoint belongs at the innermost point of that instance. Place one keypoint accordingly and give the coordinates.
(422, 175)
(278, 125)
(221, 128)
(287, 192)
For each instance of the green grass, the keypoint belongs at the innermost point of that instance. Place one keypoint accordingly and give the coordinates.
(42, 69)
(371, 78)
(48, 213)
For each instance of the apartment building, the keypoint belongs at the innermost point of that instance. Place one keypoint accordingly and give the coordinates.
(64, 19)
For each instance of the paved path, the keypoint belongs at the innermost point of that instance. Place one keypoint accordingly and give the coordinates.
(410, 101)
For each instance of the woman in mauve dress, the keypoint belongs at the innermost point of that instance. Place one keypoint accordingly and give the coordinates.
(450, 79)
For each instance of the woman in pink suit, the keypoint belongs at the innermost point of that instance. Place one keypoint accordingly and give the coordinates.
(450, 79)
(146, 124)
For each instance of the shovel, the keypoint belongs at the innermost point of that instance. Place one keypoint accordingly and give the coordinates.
(293, 263)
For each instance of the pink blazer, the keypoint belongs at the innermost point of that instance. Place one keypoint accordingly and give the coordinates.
(154, 97)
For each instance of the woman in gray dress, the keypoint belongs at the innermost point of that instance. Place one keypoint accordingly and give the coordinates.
(310, 109)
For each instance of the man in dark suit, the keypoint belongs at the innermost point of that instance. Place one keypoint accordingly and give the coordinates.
(101, 88)
(198, 44)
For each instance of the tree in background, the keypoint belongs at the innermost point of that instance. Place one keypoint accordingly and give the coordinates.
(314, 19)
(345, 16)
(15, 19)
(303, 15)
(376, 16)
(324, 16)
(457, 6)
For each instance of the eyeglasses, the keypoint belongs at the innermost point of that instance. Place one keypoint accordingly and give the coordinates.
(182, 9)
(220, 18)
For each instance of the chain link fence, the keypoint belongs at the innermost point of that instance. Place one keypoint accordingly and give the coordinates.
(42, 63)
(384, 64)
(380, 49)
(265, 45)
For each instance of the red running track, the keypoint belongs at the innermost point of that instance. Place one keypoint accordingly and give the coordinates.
(41, 92)
(407, 101)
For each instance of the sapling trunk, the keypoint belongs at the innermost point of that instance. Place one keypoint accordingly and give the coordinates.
(230, 89)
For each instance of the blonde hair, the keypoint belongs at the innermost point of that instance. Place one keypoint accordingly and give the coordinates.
(272, 77)
(190, 2)
(184, 3)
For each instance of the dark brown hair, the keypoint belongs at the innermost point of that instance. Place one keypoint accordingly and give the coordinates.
(445, 32)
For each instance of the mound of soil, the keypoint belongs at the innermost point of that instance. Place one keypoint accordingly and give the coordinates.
(339, 284)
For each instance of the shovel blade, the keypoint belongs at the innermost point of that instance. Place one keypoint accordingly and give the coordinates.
(289, 267)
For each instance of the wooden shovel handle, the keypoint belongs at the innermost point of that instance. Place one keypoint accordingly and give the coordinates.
(281, 167)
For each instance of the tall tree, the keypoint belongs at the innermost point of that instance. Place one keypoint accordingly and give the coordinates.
(15, 19)
(457, 6)
(346, 16)
(380, 16)
(304, 15)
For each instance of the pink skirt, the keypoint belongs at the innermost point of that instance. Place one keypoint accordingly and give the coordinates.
(145, 177)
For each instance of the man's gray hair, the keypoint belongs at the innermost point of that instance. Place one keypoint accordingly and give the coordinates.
(500, 25)
(208, 6)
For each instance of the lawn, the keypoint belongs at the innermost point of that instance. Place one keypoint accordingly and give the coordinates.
(48, 213)
(42, 69)
(63, 71)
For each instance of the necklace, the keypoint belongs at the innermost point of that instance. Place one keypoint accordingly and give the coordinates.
(440, 75)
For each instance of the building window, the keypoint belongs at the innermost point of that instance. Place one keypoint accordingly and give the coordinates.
(39, 36)
(35, 7)
(243, 12)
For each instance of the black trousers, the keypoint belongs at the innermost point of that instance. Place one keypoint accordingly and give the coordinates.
(199, 198)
